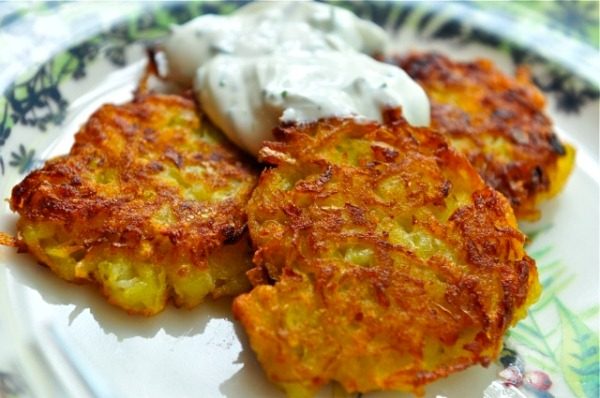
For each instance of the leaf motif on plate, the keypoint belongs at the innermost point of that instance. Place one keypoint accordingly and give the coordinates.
(36, 100)
(6, 121)
(555, 338)
(579, 354)
(529, 332)
(23, 159)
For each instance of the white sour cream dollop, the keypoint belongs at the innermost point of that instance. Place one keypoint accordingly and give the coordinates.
(278, 62)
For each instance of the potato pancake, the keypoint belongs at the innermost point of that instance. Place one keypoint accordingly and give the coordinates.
(499, 123)
(384, 261)
(149, 205)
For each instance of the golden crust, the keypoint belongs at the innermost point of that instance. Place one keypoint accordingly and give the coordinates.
(383, 260)
(499, 123)
(149, 204)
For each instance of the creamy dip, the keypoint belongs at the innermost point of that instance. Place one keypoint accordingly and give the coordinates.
(278, 62)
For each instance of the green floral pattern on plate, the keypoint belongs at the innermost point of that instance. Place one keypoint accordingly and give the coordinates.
(578, 18)
(569, 347)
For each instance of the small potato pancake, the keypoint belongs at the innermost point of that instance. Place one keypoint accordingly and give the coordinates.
(149, 205)
(499, 123)
(384, 261)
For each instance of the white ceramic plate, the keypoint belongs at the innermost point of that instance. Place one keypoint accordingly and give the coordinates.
(62, 340)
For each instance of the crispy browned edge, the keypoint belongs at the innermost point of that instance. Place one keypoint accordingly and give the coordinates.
(498, 122)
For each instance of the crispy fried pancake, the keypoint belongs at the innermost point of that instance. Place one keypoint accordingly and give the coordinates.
(383, 260)
(149, 204)
(498, 122)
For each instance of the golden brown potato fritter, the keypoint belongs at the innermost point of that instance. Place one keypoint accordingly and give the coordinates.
(149, 205)
(498, 122)
(384, 262)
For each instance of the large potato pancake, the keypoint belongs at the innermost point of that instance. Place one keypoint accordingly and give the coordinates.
(384, 261)
(499, 123)
(149, 205)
